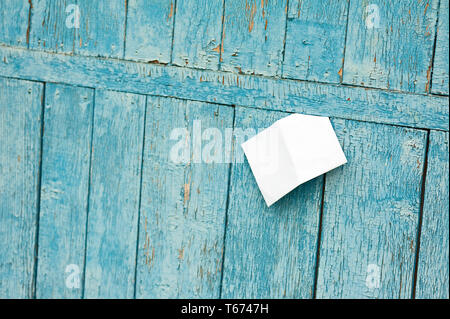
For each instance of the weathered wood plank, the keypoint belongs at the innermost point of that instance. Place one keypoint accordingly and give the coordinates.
(198, 33)
(20, 147)
(102, 28)
(253, 36)
(315, 40)
(397, 55)
(14, 26)
(371, 213)
(149, 30)
(433, 270)
(48, 26)
(440, 68)
(269, 252)
(114, 194)
(64, 190)
(183, 203)
(222, 87)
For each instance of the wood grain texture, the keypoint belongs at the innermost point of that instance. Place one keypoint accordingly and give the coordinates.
(64, 188)
(398, 54)
(221, 87)
(198, 33)
(20, 147)
(149, 30)
(102, 28)
(315, 40)
(14, 26)
(371, 213)
(100, 32)
(269, 252)
(253, 36)
(433, 269)
(440, 67)
(48, 26)
(183, 204)
(114, 194)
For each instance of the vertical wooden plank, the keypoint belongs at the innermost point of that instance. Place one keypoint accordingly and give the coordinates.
(100, 32)
(440, 69)
(395, 55)
(315, 40)
(433, 270)
(14, 22)
(253, 36)
(371, 213)
(64, 189)
(183, 203)
(149, 30)
(20, 147)
(198, 32)
(114, 194)
(102, 28)
(49, 30)
(269, 252)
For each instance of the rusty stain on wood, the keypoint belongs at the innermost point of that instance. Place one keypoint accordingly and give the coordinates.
(29, 21)
(170, 11)
(187, 187)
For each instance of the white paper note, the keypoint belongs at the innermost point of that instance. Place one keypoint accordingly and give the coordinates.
(291, 152)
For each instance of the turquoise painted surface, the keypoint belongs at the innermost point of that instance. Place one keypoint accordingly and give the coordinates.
(371, 213)
(315, 40)
(390, 44)
(20, 131)
(14, 27)
(433, 270)
(85, 27)
(269, 252)
(151, 38)
(253, 36)
(92, 205)
(183, 203)
(198, 44)
(355, 103)
(440, 67)
(114, 194)
(64, 187)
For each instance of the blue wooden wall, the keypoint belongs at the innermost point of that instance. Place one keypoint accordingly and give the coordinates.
(93, 206)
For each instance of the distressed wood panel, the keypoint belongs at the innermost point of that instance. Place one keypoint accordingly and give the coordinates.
(183, 202)
(398, 54)
(20, 147)
(64, 189)
(253, 36)
(198, 33)
(315, 40)
(100, 32)
(149, 30)
(48, 26)
(440, 68)
(293, 96)
(269, 252)
(371, 213)
(433, 270)
(102, 28)
(114, 194)
(14, 26)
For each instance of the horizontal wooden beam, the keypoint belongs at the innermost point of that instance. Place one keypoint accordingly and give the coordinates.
(342, 101)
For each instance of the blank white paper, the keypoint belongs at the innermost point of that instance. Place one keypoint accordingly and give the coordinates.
(291, 152)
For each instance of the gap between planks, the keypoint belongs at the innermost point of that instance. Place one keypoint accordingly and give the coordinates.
(419, 226)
